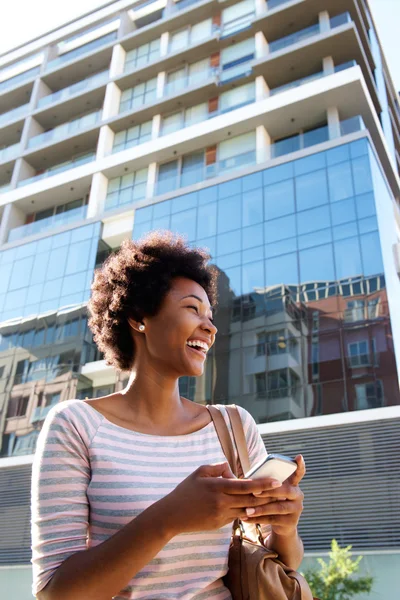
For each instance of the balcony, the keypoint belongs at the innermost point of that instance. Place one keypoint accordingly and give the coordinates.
(64, 218)
(65, 130)
(10, 152)
(128, 195)
(17, 79)
(239, 24)
(309, 78)
(60, 168)
(74, 89)
(4, 188)
(81, 51)
(191, 80)
(14, 114)
(271, 4)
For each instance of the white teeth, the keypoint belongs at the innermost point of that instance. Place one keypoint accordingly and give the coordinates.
(198, 344)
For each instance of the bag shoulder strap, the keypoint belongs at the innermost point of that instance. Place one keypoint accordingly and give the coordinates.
(239, 437)
(223, 436)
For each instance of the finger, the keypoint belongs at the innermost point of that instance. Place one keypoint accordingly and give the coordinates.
(285, 491)
(247, 486)
(300, 471)
(272, 509)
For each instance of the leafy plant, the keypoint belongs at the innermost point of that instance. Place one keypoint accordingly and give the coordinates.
(335, 580)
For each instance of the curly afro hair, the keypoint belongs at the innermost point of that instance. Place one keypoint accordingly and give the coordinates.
(133, 282)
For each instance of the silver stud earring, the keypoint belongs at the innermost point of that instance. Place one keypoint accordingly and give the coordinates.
(141, 327)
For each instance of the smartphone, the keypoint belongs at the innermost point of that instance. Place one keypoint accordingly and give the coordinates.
(277, 466)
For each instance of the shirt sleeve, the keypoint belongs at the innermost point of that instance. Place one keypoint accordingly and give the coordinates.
(59, 505)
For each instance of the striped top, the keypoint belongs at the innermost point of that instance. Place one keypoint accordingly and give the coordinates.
(90, 477)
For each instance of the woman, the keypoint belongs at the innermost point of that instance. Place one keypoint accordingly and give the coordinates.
(131, 494)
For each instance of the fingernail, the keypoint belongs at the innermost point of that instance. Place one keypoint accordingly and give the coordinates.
(258, 493)
(276, 483)
(250, 511)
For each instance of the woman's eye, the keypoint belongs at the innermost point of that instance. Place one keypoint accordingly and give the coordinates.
(195, 308)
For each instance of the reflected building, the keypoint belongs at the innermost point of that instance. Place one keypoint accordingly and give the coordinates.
(267, 131)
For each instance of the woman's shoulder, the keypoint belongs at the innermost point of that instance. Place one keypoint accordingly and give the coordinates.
(73, 416)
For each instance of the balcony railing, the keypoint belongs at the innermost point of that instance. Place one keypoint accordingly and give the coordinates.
(238, 24)
(191, 80)
(73, 89)
(82, 50)
(10, 152)
(17, 79)
(64, 218)
(309, 78)
(65, 130)
(271, 4)
(130, 195)
(66, 166)
(4, 188)
(11, 115)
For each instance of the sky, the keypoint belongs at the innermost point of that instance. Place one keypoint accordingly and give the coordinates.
(22, 20)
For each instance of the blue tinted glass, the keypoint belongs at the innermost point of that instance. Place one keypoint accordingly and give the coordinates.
(30, 310)
(21, 273)
(275, 174)
(78, 257)
(167, 177)
(280, 247)
(365, 205)
(359, 148)
(282, 270)
(279, 199)
(253, 254)
(6, 271)
(314, 219)
(39, 269)
(81, 233)
(253, 207)
(139, 230)
(184, 202)
(348, 258)
(337, 155)
(209, 244)
(73, 284)
(142, 215)
(234, 279)
(44, 245)
(25, 250)
(229, 242)
(185, 223)
(57, 262)
(253, 181)
(362, 175)
(76, 298)
(230, 188)
(340, 182)
(14, 300)
(208, 194)
(310, 163)
(252, 277)
(229, 214)
(371, 254)
(316, 264)
(315, 239)
(62, 239)
(161, 209)
(279, 229)
(344, 231)
(7, 256)
(343, 212)
(35, 293)
(311, 190)
(367, 225)
(161, 223)
(207, 220)
(52, 289)
(229, 260)
(252, 236)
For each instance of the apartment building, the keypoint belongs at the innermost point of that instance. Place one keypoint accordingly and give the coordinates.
(266, 131)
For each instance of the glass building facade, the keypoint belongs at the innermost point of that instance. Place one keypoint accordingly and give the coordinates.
(303, 317)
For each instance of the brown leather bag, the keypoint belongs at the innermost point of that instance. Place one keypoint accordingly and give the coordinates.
(255, 572)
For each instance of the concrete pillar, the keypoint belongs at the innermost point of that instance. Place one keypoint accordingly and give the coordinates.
(156, 127)
(262, 89)
(50, 53)
(117, 61)
(164, 43)
(263, 145)
(125, 25)
(328, 66)
(151, 180)
(30, 130)
(333, 122)
(97, 196)
(161, 80)
(22, 170)
(324, 21)
(261, 44)
(42, 91)
(12, 217)
(261, 7)
(105, 143)
(111, 101)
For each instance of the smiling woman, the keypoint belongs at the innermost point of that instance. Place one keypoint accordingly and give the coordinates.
(132, 496)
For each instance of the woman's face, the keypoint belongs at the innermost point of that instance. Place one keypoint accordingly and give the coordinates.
(184, 318)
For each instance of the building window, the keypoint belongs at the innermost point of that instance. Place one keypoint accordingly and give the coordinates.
(127, 189)
(17, 407)
(373, 308)
(354, 311)
(359, 354)
(189, 36)
(369, 395)
(261, 384)
(138, 134)
(140, 94)
(142, 55)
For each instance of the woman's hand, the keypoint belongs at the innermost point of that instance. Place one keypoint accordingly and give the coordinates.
(283, 505)
(212, 497)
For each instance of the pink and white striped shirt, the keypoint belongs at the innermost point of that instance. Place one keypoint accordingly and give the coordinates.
(91, 477)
